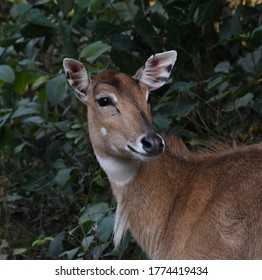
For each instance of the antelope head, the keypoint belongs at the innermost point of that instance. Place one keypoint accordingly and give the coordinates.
(119, 118)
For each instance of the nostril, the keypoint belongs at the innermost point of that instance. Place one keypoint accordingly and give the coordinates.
(147, 143)
(153, 144)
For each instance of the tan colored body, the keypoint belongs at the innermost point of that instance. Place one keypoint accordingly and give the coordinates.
(177, 204)
(194, 206)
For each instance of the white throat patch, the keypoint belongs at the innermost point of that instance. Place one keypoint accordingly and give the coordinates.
(119, 171)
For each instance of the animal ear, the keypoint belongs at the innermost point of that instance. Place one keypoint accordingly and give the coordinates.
(78, 78)
(157, 69)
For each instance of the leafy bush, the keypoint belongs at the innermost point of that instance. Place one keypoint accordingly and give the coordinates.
(55, 200)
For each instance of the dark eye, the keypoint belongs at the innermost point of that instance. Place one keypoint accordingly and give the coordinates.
(104, 101)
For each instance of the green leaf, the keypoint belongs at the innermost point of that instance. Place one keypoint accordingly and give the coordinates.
(40, 2)
(23, 111)
(3, 257)
(37, 17)
(26, 107)
(251, 61)
(158, 19)
(4, 116)
(209, 12)
(214, 83)
(256, 35)
(22, 81)
(55, 89)
(184, 87)
(231, 27)
(107, 28)
(65, 6)
(4, 244)
(105, 228)
(39, 82)
(144, 27)
(20, 147)
(19, 251)
(34, 119)
(2, 50)
(56, 246)
(86, 242)
(184, 106)
(32, 30)
(94, 212)
(222, 67)
(19, 9)
(63, 176)
(7, 74)
(77, 135)
(84, 3)
(162, 121)
(94, 51)
(13, 197)
(41, 242)
(53, 149)
(70, 253)
(122, 42)
(221, 95)
(241, 102)
(125, 61)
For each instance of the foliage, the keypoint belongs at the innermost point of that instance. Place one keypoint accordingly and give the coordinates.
(55, 200)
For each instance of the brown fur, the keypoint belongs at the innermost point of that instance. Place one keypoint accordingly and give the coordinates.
(189, 206)
(181, 204)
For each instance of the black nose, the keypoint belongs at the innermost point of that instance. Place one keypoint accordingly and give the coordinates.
(153, 144)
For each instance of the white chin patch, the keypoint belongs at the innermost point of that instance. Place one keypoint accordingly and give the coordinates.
(138, 152)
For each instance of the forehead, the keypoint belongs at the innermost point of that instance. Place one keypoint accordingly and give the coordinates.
(118, 83)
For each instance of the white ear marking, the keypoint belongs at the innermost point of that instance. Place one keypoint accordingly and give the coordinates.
(77, 77)
(157, 69)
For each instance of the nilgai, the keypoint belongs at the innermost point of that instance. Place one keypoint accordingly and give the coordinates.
(177, 204)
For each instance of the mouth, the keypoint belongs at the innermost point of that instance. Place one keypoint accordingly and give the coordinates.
(144, 156)
(135, 151)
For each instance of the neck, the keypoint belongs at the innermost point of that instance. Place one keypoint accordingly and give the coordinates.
(120, 171)
(139, 186)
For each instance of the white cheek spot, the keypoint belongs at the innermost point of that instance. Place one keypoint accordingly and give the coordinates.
(103, 131)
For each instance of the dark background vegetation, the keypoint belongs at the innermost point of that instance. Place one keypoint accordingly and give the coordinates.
(55, 202)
